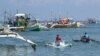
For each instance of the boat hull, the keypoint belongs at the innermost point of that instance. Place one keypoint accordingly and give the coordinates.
(60, 45)
(64, 26)
(38, 27)
(81, 41)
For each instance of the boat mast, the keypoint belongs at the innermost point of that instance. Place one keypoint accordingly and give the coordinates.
(5, 17)
(17, 11)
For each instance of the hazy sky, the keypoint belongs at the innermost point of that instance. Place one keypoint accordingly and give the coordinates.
(46, 9)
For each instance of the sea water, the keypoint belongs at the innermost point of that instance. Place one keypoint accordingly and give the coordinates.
(16, 47)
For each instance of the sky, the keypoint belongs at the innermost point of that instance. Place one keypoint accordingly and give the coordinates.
(50, 9)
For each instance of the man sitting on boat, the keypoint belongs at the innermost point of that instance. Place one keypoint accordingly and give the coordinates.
(58, 40)
(85, 38)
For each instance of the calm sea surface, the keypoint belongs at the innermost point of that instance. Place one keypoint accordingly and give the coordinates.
(16, 47)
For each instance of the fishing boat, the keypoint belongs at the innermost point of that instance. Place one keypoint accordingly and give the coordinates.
(19, 22)
(74, 25)
(22, 22)
(59, 45)
(65, 23)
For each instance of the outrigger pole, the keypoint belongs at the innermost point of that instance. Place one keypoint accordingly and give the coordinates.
(7, 32)
(33, 45)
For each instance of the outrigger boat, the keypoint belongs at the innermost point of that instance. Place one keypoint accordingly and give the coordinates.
(7, 33)
(83, 39)
(87, 40)
(66, 23)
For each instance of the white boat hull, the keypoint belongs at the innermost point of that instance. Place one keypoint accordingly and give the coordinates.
(61, 45)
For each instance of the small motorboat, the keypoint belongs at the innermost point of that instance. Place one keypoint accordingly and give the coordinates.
(59, 45)
(85, 40)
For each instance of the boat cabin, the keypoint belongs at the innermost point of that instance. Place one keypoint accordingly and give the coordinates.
(21, 19)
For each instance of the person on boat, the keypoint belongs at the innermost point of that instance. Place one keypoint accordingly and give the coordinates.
(58, 39)
(85, 37)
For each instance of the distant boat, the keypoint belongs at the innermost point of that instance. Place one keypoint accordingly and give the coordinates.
(65, 23)
(92, 21)
(75, 25)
